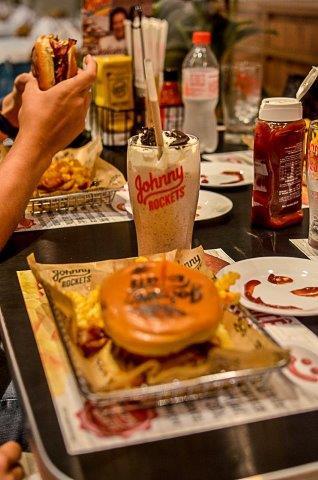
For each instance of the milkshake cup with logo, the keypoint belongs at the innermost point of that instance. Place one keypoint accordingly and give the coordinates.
(163, 190)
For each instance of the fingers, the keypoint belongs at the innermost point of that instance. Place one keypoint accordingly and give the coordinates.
(85, 78)
(17, 473)
(10, 454)
(31, 84)
(90, 65)
(79, 84)
(21, 80)
(12, 451)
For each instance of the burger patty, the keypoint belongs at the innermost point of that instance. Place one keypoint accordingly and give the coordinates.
(190, 355)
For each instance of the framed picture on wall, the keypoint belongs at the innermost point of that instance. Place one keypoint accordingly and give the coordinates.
(103, 25)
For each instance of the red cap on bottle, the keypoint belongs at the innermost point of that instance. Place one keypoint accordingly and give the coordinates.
(201, 38)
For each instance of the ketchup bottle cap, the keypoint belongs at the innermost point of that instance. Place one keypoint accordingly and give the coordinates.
(280, 109)
(201, 38)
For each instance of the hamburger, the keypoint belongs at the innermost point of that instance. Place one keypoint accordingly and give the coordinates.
(53, 60)
(149, 323)
(160, 308)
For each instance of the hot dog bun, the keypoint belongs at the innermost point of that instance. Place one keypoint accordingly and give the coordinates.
(159, 308)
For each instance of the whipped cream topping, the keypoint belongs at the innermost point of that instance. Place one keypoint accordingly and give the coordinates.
(174, 138)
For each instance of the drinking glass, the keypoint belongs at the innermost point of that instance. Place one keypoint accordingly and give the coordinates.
(164, 194)
(312, 183)
(241, 84)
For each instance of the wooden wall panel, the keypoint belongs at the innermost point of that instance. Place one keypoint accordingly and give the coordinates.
(293, 50)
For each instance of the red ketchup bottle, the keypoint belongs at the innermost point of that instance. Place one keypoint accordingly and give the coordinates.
(278, 163)
(171, 101)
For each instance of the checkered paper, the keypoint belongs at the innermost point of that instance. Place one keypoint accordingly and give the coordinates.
(82, 216)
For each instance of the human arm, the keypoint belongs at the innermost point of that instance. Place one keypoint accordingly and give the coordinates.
(49, 120)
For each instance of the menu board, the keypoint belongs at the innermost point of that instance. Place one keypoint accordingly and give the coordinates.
(104, 25)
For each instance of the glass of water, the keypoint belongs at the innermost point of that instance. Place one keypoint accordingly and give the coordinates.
(241, 84)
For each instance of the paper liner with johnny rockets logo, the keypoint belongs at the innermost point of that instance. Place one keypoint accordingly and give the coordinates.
(250, 347)
(102, 174)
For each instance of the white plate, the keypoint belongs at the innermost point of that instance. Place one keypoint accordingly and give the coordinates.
(121, 203)
(210, 204)
(240, 156)
(225, 174)
(303, 273)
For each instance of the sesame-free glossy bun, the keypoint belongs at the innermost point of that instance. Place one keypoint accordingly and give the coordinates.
(42, 62)
(72, 64)
(155, 309)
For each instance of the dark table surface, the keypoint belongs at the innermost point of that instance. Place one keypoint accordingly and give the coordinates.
(224, 454)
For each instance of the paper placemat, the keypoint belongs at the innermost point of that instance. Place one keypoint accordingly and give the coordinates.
(293, 391)
(303, 245)
(82, 216)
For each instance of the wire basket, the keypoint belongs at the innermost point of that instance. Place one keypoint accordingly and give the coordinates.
(173, 391)
(117, 126)
(70, 201)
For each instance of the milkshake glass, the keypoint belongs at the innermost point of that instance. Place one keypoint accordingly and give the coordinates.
(163, 193)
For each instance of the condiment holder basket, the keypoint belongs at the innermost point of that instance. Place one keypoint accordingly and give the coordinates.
(102, 121)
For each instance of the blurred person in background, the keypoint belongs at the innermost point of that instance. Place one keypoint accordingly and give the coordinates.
(21, 16)
(11, 103)
(115, 42)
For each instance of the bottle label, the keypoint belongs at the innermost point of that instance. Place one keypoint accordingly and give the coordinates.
(313, 163)
(312, 185)
(200, 83)
(290, 176)
(278, 160)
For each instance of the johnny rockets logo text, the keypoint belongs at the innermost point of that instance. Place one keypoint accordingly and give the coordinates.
(161, 190)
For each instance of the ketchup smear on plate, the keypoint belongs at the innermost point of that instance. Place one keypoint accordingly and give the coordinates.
(249, 288)
(238, 174)
(279, 279)
(306, 292)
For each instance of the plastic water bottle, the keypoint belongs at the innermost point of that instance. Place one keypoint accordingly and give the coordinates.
(200, 92)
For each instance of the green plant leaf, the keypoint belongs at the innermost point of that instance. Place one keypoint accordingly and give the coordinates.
(185, 16)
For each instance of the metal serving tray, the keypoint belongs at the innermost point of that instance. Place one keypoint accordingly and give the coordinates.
(175, 391)
(70, 201)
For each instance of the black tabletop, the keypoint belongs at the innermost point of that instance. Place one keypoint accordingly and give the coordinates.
(220, 454)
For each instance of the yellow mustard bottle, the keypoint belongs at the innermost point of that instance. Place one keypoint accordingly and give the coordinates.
(113, 90)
